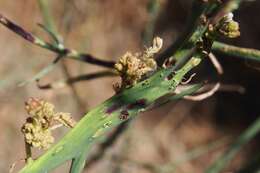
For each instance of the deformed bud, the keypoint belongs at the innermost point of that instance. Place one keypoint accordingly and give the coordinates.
(156, 47)
(228, 27)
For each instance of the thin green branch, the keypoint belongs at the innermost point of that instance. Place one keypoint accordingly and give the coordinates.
(42, 73)
(59, 49)
(243, 139)
(202, 15)
(47, 17)
(245, 53)
(196, 27)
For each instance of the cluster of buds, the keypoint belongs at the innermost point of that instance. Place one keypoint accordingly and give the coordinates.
(132, 67)
(37, 128)
(228, 27)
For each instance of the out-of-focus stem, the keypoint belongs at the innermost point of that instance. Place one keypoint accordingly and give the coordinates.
(246, 53)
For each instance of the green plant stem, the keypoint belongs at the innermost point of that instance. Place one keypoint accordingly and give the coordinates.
(47, 17)
(78, 162)
(245, 53)
(124, 105)
(109, 114)
(243, 139)
(197, 27)
(60, 49)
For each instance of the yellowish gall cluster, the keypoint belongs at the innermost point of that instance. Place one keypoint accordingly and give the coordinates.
(132, 67)
(38, 126)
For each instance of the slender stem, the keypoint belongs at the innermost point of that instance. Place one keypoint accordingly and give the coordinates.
(246, 53)
(44, 4)
(59, 49)
(73, 80)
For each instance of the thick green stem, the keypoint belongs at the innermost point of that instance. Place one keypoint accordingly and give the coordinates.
(109, 114)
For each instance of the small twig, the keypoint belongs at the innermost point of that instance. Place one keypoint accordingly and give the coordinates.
(28, 152)
(189, 79)
(223, 88)
(51, 33)
(216, 63)
(203, 95)
(72, 80)
(59, 49)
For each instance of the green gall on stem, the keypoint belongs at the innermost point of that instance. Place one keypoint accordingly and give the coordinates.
(228, 27)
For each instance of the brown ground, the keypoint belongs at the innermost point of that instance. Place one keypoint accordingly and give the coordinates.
(107, 29)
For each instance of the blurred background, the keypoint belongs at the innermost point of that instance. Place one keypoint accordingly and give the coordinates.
(182, 137)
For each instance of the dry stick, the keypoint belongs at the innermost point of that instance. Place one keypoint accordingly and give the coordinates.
(205, 95)
(73, 80)
(216, 63)
(59, 49)
(223, 88)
